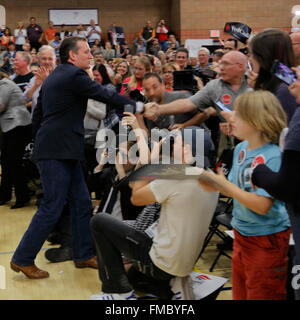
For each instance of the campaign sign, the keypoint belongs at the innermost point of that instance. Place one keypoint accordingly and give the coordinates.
(239, 31)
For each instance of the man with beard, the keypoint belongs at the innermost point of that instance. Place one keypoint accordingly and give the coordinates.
(154, 90)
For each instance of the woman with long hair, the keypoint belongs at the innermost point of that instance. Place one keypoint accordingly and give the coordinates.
(100, 74)
(167, 75)
(122, 71)
(20, 35)
(141, 67)
(7, 37)
(265, 48)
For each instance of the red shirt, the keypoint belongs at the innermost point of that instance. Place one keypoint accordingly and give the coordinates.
(50, 34)
(127, 80)
(162, 33)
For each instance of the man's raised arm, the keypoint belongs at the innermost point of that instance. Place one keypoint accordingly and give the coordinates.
(154, 110)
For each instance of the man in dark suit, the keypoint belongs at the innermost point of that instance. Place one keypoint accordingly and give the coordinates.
(59, 150)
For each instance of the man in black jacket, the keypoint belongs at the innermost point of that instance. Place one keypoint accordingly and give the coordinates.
(59, 150)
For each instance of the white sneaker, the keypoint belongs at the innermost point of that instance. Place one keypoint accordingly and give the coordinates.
(114, 296)
(182, 288)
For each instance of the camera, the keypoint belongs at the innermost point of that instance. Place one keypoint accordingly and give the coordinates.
(205, 75)
(184, 80)
(136, 95)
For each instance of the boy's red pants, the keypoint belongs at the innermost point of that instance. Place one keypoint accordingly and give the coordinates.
(260, 266)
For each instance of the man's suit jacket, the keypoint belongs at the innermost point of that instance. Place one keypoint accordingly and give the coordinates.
(58, 116)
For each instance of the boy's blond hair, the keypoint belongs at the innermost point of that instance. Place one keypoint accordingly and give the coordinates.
(262, 111)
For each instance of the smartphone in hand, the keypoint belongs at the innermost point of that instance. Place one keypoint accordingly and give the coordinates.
(283, 72)
(222, 106)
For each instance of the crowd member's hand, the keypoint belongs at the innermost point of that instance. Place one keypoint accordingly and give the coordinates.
(118, 78)
(41, 74)
(130, 120)
(218, 180)
(120, 160)
(210, 112)
(226, 127)
(294, 88)
(151, 111)
(127, 90)
(228, 116)
(156, 150)
(252, 76)
(102, 161)
(200, 84)
(177, 126)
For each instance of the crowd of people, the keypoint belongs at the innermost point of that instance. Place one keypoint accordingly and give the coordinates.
(79, 98)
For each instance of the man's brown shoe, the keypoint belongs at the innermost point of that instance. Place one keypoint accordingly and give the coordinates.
(90, 263)
(31, 272)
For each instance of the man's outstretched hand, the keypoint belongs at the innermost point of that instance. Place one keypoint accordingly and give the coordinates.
(151, 111)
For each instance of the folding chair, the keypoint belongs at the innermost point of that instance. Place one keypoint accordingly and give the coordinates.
(224, 220)
(224, 206)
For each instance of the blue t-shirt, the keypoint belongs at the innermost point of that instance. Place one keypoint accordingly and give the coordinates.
(244, 220)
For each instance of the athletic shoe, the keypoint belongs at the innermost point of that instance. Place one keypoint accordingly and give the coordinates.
(182, 288)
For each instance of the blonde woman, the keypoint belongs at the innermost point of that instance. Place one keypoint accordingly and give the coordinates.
(20, 35)
(261, 224)
(122, 72)
(141, 67)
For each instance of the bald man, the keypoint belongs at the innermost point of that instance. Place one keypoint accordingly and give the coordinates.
(232, 82)
(295, 38)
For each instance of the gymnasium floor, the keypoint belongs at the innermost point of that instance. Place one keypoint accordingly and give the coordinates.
(67, 282)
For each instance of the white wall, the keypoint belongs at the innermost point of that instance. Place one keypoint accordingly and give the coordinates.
(2, 16)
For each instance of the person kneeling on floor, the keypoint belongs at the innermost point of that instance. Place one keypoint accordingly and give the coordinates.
(186, 212)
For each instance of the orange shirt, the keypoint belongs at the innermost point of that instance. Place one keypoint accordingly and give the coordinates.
(50, 34)
(4, 40)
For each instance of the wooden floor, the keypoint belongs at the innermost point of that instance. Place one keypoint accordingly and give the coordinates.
(67, 282)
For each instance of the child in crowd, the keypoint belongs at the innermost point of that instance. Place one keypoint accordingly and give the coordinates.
(261, 224)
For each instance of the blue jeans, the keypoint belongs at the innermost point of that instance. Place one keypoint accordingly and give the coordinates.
(62, 181)
(164, 45)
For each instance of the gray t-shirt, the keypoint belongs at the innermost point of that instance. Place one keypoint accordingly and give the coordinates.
(217, 90)
(164, 121)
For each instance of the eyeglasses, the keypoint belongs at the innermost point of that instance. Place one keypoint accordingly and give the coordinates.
(226, 63)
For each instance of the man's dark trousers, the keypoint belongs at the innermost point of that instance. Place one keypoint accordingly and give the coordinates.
(61, 180)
